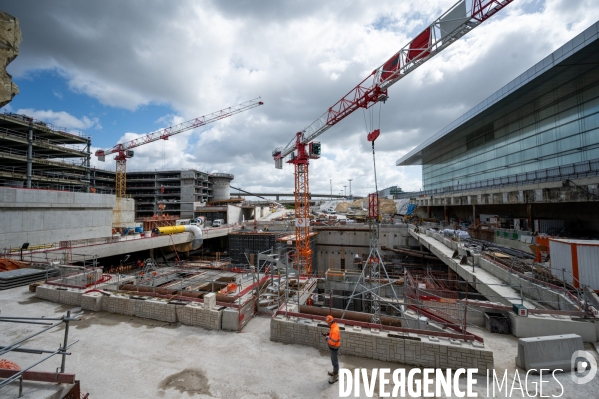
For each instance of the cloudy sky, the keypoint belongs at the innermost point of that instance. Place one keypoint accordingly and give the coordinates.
(118, 70)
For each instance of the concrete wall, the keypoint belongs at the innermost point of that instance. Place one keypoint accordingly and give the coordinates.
(344, 242)
(43, 217)
(550, 298)
(123, 213)
(543, 325)
(221, 188)
(419, 350)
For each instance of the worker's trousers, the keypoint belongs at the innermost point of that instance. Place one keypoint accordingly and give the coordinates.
(334, 359)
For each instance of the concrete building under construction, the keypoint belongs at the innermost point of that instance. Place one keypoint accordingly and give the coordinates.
(176, 287)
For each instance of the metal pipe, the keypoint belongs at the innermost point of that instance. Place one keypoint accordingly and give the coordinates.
(66, 337)
(349, 315)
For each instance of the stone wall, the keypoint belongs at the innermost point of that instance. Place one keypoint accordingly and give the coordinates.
(418, 350)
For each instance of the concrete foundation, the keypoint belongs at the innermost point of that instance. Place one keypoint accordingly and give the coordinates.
(418, 350)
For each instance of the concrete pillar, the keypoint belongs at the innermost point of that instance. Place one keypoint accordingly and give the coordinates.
(277, 198)
(446, 214)
(29, 154)
(88, 163)
(473, 213)
(529, 216)
(428, 212)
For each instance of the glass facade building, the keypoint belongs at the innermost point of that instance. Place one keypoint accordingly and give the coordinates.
(545, 119)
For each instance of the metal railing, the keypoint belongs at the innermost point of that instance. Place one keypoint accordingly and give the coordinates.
(17, 346)
(47, 125)
(572, 171)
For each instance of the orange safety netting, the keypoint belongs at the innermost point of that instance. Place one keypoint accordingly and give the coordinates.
(8, 365)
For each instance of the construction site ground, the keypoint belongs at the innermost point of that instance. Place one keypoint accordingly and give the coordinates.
(121, 356)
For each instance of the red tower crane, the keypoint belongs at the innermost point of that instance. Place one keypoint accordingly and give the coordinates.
(460, 19)
(123, 150)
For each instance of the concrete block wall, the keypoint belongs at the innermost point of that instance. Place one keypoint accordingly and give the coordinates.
(155, 309)
(418, 350)
(119, 304)
(196, 315)
(65, 296)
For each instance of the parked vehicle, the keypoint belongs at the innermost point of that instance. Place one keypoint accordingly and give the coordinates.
(218, 222)
(195, 222)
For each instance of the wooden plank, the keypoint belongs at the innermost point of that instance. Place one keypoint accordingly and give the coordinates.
(43, 376)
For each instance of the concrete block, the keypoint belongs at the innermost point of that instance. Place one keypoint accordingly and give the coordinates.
(92, 301)
(210, 300)
(230, 321)
(549, 352)
(532, 326)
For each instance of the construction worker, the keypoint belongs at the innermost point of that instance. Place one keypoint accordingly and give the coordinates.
(334, 341)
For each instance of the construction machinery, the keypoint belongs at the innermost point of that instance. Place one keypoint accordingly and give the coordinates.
(123, 150)
(460, 19)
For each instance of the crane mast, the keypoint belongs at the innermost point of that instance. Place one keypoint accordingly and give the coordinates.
(123, 150)
(460, 19)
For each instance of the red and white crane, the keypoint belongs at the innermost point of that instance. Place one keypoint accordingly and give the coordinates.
(460, 19)
(123, 150)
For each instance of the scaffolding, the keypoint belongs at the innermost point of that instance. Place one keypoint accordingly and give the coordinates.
(47, 323)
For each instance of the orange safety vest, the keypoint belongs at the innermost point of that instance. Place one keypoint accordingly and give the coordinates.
(334, 339)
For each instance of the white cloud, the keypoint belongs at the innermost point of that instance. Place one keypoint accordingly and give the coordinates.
(62, 119)
(300, 56)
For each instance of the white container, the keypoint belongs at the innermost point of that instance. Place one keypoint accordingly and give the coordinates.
(575, 261)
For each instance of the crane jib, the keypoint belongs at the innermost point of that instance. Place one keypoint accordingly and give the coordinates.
(460, 19)
(164, 134)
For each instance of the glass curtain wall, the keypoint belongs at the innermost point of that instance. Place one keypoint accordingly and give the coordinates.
(559, 134)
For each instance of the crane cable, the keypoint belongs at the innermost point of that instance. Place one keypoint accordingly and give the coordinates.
(368, 130)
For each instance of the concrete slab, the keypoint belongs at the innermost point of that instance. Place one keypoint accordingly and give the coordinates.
(490, 286)
(122, 356)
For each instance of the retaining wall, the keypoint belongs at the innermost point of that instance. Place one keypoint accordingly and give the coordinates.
(539, 293)
(194, 314)
(414, 349)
